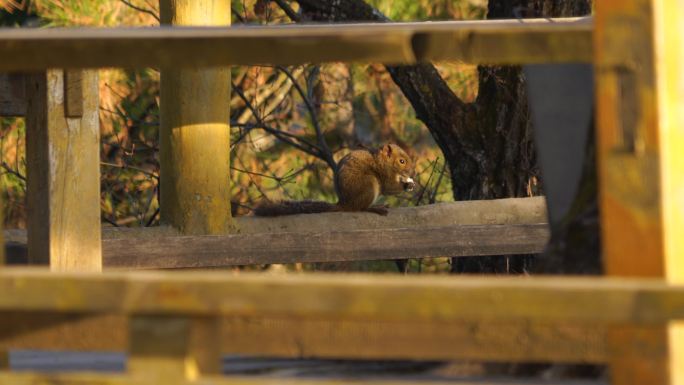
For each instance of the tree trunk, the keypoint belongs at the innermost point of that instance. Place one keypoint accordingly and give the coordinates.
(488, 144)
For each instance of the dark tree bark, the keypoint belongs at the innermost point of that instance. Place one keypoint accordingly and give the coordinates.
(488, 144)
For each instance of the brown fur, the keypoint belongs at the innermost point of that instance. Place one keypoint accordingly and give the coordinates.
(363, 175)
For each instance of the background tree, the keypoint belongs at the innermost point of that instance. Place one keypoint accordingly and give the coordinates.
(487, 143)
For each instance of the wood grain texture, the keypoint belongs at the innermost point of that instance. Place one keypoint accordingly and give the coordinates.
(12, 94)
(73, 93)
(327, 296)
(117, 379)
(49, 331)
(488, 340)
(494, 42)
(457, 217)
(63, 187)
(194, 137)
(639, 56)
(328, 246)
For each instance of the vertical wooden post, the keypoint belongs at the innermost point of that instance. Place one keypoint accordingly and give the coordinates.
(640, 96)
(63, 171)
(3, 261)
(168, 348)
(195, 132)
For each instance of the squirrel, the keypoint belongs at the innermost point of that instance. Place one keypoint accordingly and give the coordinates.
(363, 175)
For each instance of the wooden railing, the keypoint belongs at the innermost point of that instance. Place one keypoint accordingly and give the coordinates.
(169, 322)
(165, 320)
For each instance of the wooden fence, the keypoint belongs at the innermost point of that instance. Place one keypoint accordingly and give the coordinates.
(169, 322)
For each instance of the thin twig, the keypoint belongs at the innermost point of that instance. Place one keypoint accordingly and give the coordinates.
(144, 10)
(433, 166)
(439, 181)
(237, 14)
(111, 222)
(288, 10)
(283, 136)
(322, 144)
(125, 166)
(13, 171)
(152, 218)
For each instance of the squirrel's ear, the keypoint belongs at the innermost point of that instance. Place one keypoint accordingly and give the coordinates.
(387, 149)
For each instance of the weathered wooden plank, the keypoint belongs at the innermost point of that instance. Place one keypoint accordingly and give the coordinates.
(49, 331)
(325, 296)
(73, 93)
(359, 245)
(487, 340)
(12, 94)
(639, 57)
(503, 42)
(503, 341)
(116, 379)
(489, 212)
(482, 212)
(194, 136)
(63, 194)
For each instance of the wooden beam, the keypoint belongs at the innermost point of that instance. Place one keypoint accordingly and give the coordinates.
(12, 94)
(512, 211)
(63, 188)
(324, 296)
(494, 42)
(488, 340)
(194, 136)
(171, 252)
(118, 379)
(639, 56)
(516, 224)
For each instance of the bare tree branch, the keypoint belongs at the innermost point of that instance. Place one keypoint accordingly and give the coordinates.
(285, 137)
(143, 10)
(322, 144)
(288, 10)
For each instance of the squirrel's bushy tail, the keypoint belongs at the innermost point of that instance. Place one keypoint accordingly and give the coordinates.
(276, 209)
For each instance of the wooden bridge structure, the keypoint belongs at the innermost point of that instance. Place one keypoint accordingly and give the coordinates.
(176, 324)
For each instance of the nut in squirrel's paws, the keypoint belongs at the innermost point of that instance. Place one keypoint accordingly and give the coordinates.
(409, 184)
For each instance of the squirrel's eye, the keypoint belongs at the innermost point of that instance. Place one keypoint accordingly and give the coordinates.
(402, 161)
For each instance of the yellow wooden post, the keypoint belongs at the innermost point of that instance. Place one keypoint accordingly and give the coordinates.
(171, 348)
(4, 354)
(640, 96)
(63, 153)
(195, 133)
(2, 238)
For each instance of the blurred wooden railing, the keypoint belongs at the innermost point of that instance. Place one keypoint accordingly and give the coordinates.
(166, 320)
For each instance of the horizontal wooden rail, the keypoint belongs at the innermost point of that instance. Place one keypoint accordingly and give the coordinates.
(471, 228)
(362, 317)
(501, 341)
(161, 248)
(325, 296)
(117, 379)
(487, 41)
(326, 246)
